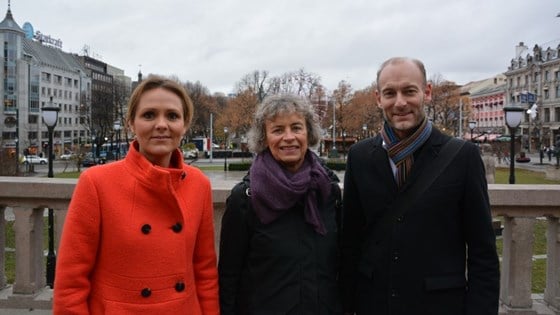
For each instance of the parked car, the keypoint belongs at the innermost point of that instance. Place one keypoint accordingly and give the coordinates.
(67, 156)
(88, 161)
(34, 159)
(190, 154)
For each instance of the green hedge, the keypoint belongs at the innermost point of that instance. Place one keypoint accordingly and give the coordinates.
(239, 166)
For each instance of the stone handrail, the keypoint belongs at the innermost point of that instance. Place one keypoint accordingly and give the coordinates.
(518, 205)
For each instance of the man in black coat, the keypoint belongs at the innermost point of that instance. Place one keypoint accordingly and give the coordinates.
(438, 256)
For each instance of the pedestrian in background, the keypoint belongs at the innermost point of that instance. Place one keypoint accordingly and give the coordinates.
(279, 237)
(430, 254)
(139, 236)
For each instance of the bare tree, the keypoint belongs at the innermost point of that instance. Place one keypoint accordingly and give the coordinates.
(256, 82)
(363, 117)
(443, 110)
(204, 104)
(238, 114)
(299, 82)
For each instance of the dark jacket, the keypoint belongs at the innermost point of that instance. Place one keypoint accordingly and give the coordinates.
(439, 257)
(283, 267)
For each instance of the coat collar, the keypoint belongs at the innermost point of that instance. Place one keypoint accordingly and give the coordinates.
(145, 171)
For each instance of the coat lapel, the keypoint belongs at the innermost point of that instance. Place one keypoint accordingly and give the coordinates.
(428, 152)
(383, 167)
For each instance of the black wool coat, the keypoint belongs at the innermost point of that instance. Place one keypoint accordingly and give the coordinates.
(283, 267)
(439, 257)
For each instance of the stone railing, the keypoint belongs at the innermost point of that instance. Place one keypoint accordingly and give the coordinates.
(518, 205)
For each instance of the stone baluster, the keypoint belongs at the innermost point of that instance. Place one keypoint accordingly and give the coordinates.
(30, 273)
(516, 275)
(3, 247)
(552, 290)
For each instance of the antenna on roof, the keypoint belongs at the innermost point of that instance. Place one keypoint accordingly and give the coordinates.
(9, 5)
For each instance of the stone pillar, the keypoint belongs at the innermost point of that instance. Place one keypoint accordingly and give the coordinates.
(516, 275)
(59, 218)
(552, 290)
(489, 162)
(3, 247)
(30, 266)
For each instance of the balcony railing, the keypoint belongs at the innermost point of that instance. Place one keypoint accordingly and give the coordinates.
(519, 206)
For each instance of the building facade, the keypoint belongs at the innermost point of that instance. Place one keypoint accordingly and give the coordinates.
(36, 75)
(536, 71)
(487, 105)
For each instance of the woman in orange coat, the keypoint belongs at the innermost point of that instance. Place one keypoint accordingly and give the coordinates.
(139, 237)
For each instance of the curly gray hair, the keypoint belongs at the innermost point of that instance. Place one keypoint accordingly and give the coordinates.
(282, 104)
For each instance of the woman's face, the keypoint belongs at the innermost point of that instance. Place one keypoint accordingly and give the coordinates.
(286, 137)
(159, 125)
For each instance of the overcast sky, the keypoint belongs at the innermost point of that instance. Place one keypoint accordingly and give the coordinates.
(217, 42)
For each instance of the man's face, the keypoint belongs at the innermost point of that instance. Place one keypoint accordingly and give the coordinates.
(401, 95)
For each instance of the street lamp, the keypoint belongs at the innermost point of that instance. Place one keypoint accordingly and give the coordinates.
(513, 119)
(344, 145)
(226, 147)
(472, 125)
(50, 117)
(117, 127)
(364, 128)
(93, 145)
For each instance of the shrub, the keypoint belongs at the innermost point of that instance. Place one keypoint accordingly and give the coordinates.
(239, 166)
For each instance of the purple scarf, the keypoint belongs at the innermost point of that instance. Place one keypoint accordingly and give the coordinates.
(274, 190)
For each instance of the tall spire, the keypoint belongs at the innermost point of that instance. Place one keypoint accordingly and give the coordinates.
(8, 23)
(9, 13)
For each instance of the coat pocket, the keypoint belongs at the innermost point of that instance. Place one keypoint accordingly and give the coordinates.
(445, 282)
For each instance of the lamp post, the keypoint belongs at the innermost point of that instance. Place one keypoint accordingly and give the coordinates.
(513, 119)
(50, 117)
(226, 147)
(472, 125)
(364, 128)
(93, 145)
(344, 145)
(117, 127)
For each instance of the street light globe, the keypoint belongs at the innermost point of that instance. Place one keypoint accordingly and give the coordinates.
(472, 124)
(117, 125)
(50, 115)
(513, 116)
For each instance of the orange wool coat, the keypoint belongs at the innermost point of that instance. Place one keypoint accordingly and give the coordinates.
(138, 239)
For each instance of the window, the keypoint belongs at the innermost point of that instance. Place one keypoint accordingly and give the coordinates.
(32, 119)
(547, 115)
(557, 114)
(46, 77)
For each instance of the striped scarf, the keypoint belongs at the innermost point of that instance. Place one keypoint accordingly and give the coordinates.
(401, 150)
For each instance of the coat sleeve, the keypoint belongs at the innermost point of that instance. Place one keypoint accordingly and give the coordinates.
(77, 250)
(234, 248)
(204, 260)
(482, 260)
